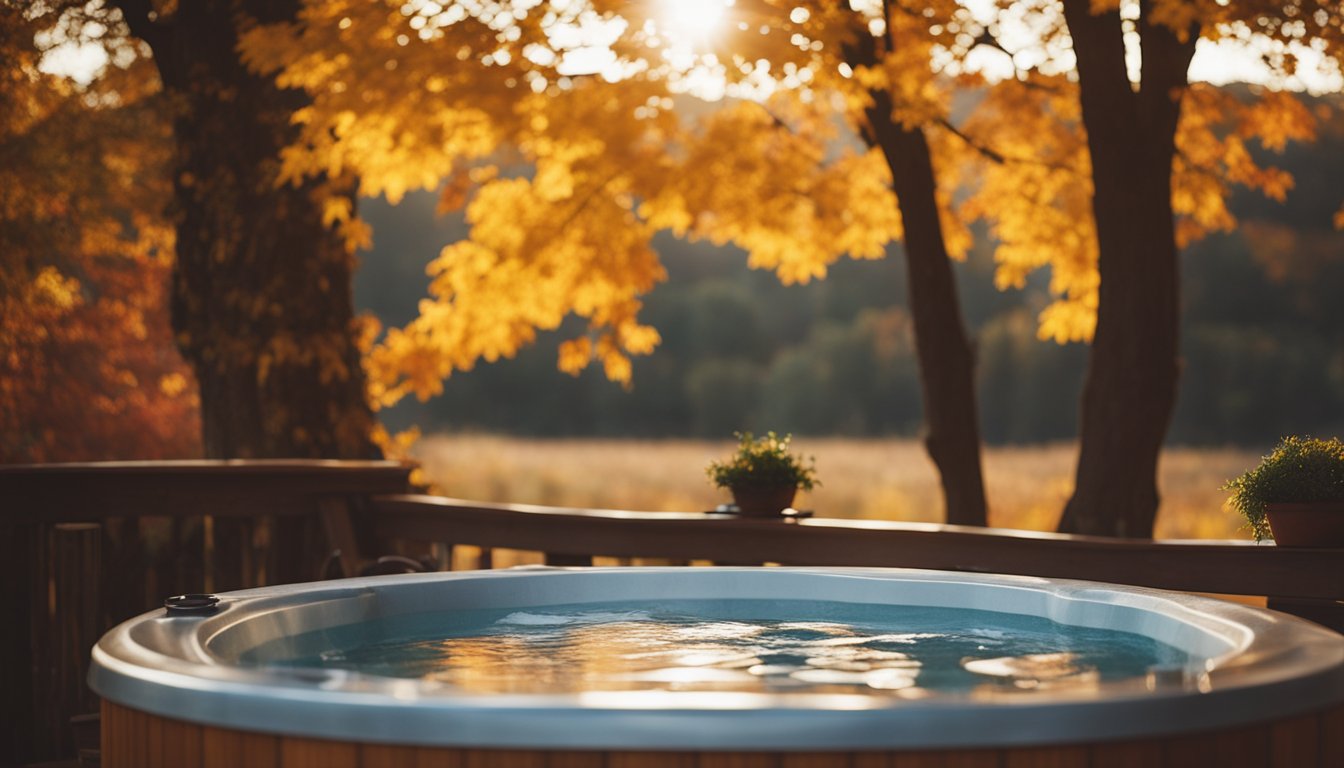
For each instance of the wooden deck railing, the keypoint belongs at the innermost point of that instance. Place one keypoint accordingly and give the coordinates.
(85, 546)
(572, 536)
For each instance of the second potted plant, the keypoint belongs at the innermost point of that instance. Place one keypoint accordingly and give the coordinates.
(1296, 494)
(762, 475)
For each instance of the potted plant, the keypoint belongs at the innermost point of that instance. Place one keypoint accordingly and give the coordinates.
(763, 476)
(1296, 495)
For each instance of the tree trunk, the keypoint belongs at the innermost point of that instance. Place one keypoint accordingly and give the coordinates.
(1132, 372)
(262, 305)
(946, 362)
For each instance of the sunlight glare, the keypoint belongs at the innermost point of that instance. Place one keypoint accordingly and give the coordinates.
(693, 22)
(78, 61)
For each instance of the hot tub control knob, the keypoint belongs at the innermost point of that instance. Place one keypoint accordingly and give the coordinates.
(191, 603)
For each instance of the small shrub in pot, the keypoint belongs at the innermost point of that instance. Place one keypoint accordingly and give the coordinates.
(763, 475)
(1303, 476)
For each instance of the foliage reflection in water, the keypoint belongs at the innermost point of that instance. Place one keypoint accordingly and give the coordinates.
(739, 646)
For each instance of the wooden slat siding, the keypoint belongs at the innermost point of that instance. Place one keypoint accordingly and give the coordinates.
(870, 760)
(428, 757)
(502, 758)
(1295, 742)
(816, 760)
(238, 488)
(1332, 737)
(1130, 754)
(917, 760)
(738, 760)
(389, 756)
(222, 748)
(138, 724)
(576, 759)
(1227, 566)
(182, 744)
(318, 753)
(153, 754)
(624, 759)
(128, 743)
(1245, 747)
(985, 758)
(1048, 757)
(111, 747)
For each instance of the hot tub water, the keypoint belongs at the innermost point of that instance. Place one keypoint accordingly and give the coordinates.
(749, 646)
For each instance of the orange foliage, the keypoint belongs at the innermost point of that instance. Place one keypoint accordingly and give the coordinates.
(598, 160)
(567, 169)
(87, 365)
(1030, 179)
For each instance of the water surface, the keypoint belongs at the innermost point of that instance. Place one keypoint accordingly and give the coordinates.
(729, 645)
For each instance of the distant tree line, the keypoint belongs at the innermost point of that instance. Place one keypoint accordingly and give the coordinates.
(1263, 341)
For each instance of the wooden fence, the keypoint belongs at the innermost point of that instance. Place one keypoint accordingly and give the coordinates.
(85, 546)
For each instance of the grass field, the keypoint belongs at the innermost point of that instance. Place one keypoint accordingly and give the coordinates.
(877, 479)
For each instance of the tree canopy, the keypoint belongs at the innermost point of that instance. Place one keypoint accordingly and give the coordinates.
(87, 368)
(570, 134)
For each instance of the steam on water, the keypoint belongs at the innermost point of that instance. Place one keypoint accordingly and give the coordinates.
(731, 646)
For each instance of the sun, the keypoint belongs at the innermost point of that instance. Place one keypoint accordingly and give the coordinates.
(692, 22)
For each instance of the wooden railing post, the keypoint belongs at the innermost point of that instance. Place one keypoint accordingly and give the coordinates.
(230, 543)
(18, 599)
(76, 595)
(295, 553)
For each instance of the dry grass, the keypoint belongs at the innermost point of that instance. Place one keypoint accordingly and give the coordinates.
(877, 479)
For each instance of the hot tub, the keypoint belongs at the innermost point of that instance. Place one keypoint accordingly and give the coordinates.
(1242, 686)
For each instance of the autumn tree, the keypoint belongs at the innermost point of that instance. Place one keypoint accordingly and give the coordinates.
(1131, 382)
(261, 298)
(875, 60)
(1128, 163)
(87, 365)
(567, 168)
(904, 102)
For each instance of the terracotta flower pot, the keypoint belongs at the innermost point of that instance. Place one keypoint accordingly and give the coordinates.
(763, 502)
(1307, 524)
